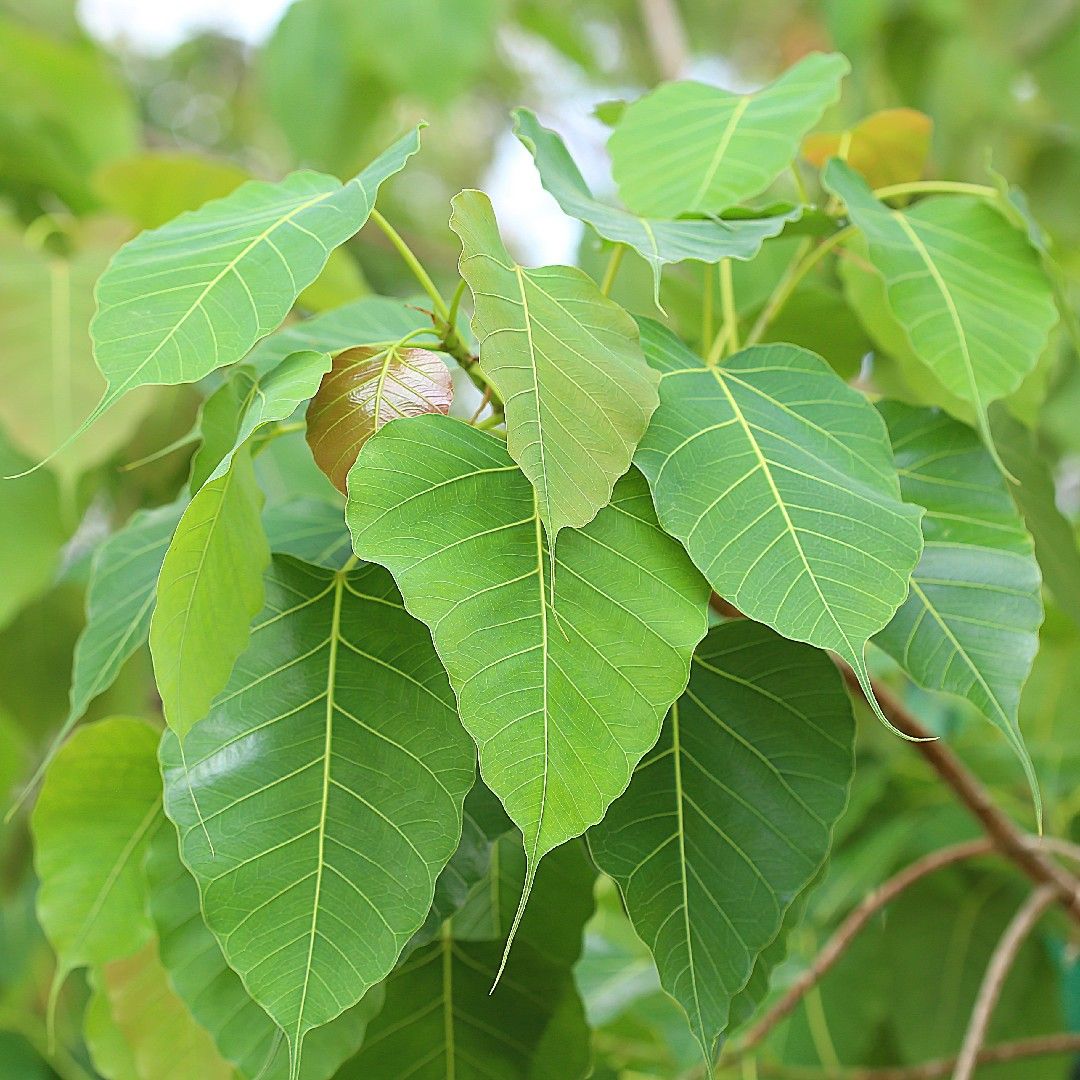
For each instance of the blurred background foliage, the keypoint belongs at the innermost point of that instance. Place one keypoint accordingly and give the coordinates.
(100, 139)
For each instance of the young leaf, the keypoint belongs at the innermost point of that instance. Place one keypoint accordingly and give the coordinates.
(779, 480)
(250, 402)
(731, 813)
(656, 240)
(97, 810)
(365, 389)
(312, 530)
(241, 1029)
(965, 284)
(209, 590)
(105, 1043)
(692, 148)
(329, 778)
(887, 147)
(970, 624)
(179, 302)
(567, 363)
(371, 318)
(165, 1041)
(441, 1019)
(563, 686)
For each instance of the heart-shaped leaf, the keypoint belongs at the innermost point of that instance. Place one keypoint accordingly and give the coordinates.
(365, 389)
(778, 478)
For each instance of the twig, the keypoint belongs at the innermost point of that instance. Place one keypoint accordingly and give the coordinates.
(939, 1069)
(850, 927)
(666, 36)
(997, 971)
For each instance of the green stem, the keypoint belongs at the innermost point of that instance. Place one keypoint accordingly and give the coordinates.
(936, 187)
(707, 310)
(727, 302)
(614, 262)
(798, 269)
(414, 264)
(716, 352)
(455, 303)
(800, 185)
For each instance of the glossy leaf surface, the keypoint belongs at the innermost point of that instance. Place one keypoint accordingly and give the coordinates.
(365, 389)
(566, 362)
(209, 590)
(692, 148)
(970, 625)
(658, 241)
(563, 685)
(779, 480)
(731, 813)
(330, 776)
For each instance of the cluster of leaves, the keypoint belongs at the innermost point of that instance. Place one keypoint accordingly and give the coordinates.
(415, 707)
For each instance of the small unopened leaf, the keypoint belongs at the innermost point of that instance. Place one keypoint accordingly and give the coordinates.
(688, 147)
(970, 624)
(209, 590)
(888, 147)
(966, 286)
(730, 815)
(779, 480)
(657, 240)
(567, 363)
(365, 389)
(97, 810)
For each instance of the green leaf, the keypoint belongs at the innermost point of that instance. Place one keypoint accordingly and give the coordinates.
(330, 776)
(731, 814)
(441, 1018)
(105, 1042)
(1034, 491)
(242, 1030)
(250, 402)
(779, 480)
(97, 810)
(310, 529)
(566, 362)
(688, 147)
(970, 624)
(887, 147)
(209, 590)
(178, 302)
(47, 366)
(30, 543)
(163, 1038)
(966, 286)
(656, 240)
(362, 322)
(365, 389)
(562, 684)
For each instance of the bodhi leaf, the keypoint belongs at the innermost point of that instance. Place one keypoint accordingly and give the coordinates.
(970, 624)
(241, 1029)
(109, 1052)
(209, 590)
(441, 1018)
(312, 530)
(562, 684)
(966, 286)
(365, 389)
(97, 810)
(656, 240)
(887, 147)
(163, 1038)
(329, 777)
(566, 362)
(692, 148)
(730, 814)
(252, 402)
(778, 478)
(179, 302)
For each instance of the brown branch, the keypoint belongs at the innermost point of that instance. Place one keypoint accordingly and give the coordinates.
(1010, 840)
(997, 971)
(666, 36)
(836, 945)
(1040, 1046)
